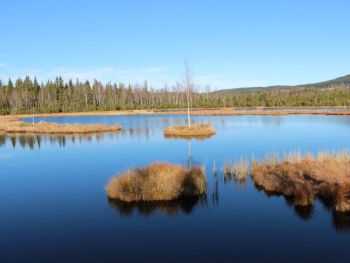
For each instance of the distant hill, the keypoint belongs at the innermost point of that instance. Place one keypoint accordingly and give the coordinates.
(341, 81)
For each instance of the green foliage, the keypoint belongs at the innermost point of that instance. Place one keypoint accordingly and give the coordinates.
(27, 96)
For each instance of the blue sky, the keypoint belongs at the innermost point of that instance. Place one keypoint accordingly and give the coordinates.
(227, 43)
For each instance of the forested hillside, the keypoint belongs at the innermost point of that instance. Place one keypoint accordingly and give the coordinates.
(343, 81)
(27, 96)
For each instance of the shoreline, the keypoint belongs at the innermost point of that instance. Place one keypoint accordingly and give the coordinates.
(204, 112)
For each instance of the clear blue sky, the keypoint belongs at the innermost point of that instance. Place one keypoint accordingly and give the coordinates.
(228, 43)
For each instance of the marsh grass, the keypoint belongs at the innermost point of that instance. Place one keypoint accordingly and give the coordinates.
(157, 182)
(15, 125)
(298, 157)
(238, 171)
(201, 130)
(306, 176)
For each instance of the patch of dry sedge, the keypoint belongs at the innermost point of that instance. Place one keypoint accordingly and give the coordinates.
(238, 171)
(157, 182)
(15, 125)
(196, 130)
(304, 178)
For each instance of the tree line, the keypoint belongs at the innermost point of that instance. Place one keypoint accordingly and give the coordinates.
(28, 95)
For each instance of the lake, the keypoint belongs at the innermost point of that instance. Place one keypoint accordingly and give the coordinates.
(54, 207)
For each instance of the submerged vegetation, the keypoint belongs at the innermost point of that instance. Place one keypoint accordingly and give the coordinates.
(303, 178)
(15, 125)
(157, 182)
(195, 130)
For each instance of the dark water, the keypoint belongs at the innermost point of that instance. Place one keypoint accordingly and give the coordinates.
(54, 208)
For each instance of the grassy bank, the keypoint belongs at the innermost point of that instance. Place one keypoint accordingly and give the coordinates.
(16, 125)
(209, 112)
(157, 182)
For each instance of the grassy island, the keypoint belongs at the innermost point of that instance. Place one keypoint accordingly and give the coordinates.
(305, 178)
(157, 182)
(16, 125)
(195, 130)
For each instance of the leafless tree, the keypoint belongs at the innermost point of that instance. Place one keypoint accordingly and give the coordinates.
(189, 90)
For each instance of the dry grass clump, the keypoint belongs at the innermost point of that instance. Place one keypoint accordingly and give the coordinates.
(304, 178)
(15, 125)
(238, 171)
(196, 130)
(157, 182)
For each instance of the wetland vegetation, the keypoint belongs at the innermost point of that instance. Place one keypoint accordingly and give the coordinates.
(300, 178)
(226, 210)
(157, 182)
(196, 130)
(16, 125)
(305, 178)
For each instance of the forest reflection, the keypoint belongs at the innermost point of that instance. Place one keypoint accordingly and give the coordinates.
(32, 142)
(35, 141)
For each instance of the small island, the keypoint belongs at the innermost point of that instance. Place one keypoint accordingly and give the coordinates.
(16, 125)
(157, 182)
(195, 130)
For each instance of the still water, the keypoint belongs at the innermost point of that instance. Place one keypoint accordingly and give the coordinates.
(54, 208)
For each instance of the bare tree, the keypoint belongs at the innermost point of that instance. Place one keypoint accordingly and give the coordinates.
(189, 89)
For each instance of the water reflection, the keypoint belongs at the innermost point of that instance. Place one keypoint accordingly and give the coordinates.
(30, 141)
(148, 127)
(304, 212)
(199, 138)
(171, 208)
(215, 195)
(340, 221)
(2, 139)
(35, 141)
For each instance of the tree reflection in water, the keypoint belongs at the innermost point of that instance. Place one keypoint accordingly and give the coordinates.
(33, 141)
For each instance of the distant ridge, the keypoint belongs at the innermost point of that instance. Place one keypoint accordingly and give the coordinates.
(341, 81)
